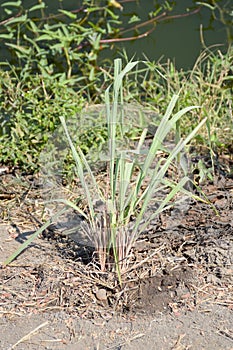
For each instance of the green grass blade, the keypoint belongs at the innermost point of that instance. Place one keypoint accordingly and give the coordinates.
(33, 236)
(163, 130)
(126, 170)
(79, 167)
(162, 207)
(70, 204)
(158, 176)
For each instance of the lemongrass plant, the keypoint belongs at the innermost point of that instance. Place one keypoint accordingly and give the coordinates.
(130, 186)
(134, 179)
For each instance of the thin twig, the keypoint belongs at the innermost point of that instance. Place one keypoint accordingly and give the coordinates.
(27, 336)
(145, 260)
(9, 19)
(226, 334)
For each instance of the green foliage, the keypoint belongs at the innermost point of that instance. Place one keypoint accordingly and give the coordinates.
(68, 42)
(55, 69)
(53, 64)
(29, 111)
(30, 106)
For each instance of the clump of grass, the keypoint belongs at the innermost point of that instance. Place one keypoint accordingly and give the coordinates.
(136, 177)
(208, 83)
(127, 195)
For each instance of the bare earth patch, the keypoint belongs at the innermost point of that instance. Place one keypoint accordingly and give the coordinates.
(179, 295)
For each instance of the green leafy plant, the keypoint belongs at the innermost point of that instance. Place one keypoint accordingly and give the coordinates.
(68, 42)
(135, 179)
(56, 66)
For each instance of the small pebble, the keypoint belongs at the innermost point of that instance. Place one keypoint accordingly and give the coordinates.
(101, 294)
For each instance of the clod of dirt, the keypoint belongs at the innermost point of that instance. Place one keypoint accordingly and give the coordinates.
(157, 293)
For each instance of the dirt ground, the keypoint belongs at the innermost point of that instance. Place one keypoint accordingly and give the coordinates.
(177, 294)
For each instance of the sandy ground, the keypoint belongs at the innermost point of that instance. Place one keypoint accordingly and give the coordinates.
(207, 329)
(208, 326)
